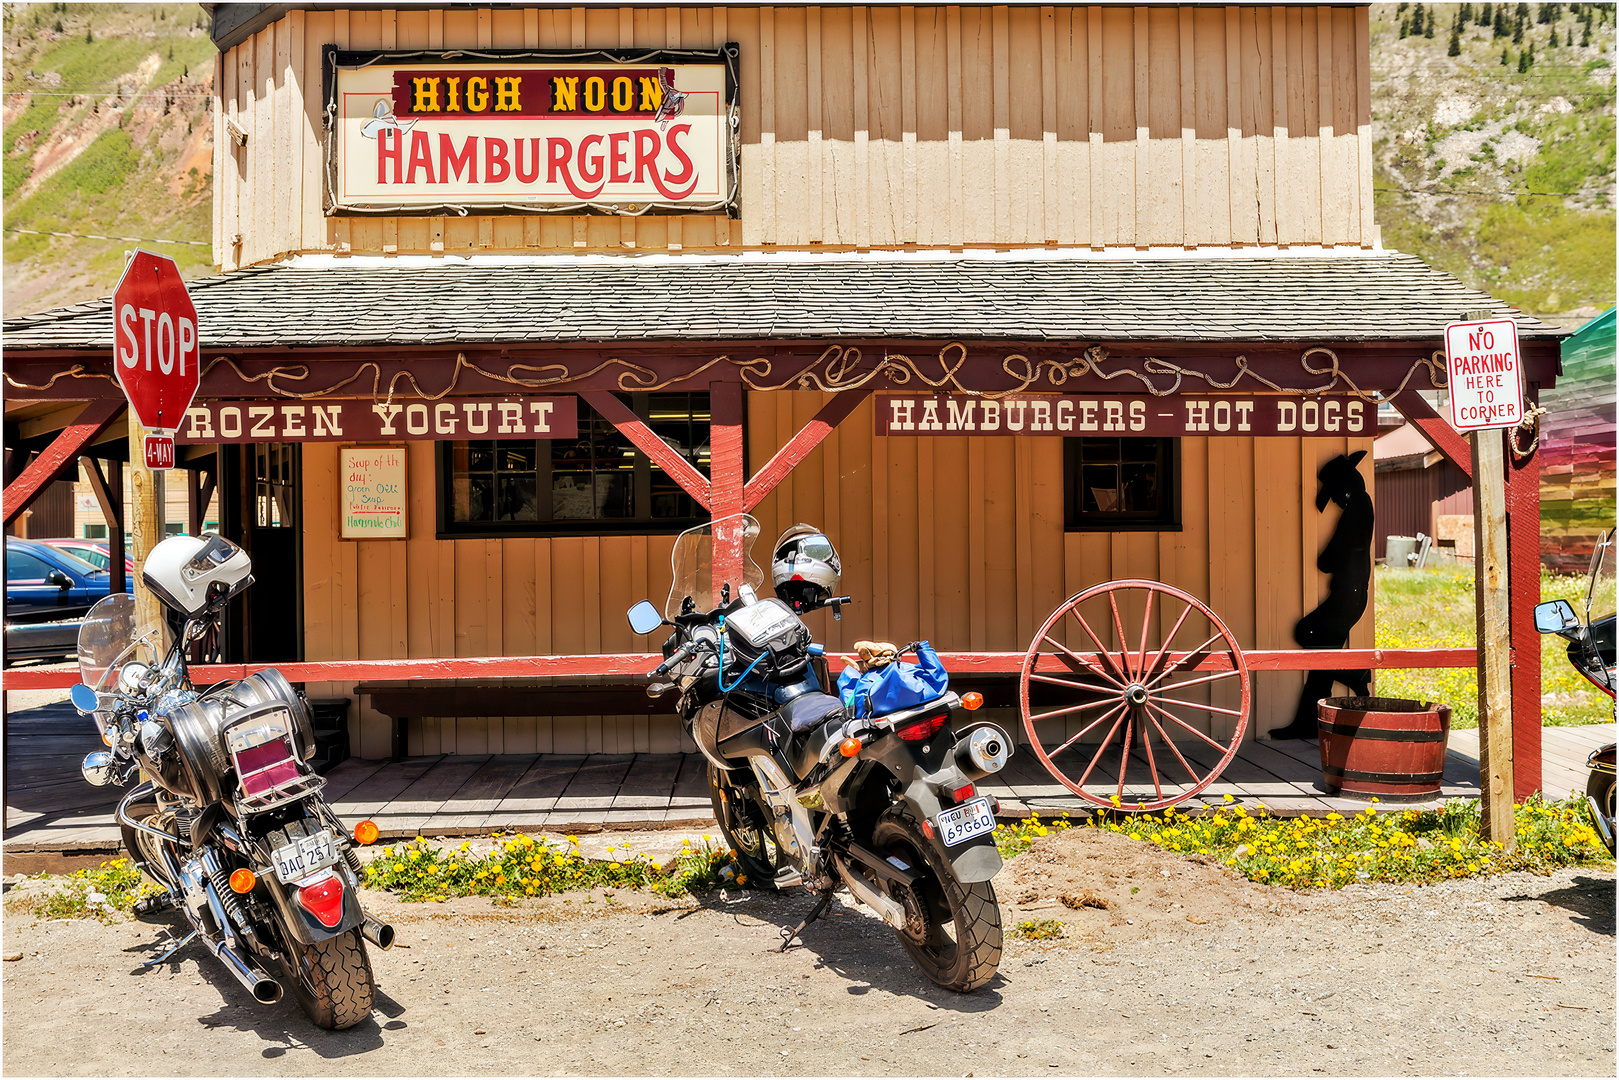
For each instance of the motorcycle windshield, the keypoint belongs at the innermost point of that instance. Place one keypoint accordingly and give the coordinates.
(109, 639)
(1599, 586)
(693, 561)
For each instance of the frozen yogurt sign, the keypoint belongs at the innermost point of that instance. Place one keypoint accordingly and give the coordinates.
(1485, 370)
(499, 130)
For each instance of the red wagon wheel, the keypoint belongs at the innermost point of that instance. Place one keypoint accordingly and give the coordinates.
(1135, 695)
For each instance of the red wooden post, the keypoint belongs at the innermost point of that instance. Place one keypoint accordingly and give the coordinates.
(60, 455)
(1523, 569)
(801, 445)
(725, 470)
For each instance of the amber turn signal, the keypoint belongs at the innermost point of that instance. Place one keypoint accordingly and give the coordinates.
(849, 747)
(971, 700)
(243, 880)
(366, 832)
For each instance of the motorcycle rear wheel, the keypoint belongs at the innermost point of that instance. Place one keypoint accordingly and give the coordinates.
(953, 931)
(1600, 787)
(744, 824)
(332, 980)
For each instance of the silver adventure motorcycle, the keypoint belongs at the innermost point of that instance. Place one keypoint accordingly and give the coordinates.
(810, 796)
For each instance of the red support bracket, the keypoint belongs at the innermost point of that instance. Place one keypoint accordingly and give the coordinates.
(800, 446)
(648, 442)
(109, 491)
(60, 454)
(1438, 431)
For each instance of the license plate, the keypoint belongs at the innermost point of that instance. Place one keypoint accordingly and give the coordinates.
(961, 823)
(303, 857)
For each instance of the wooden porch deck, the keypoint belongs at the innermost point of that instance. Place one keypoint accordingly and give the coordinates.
(49, 807)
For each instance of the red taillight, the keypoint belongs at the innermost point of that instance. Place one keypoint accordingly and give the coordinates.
(963, 793)
(324, 899)
(925, 728)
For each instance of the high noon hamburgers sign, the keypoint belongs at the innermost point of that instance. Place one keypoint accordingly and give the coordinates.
(608, 131)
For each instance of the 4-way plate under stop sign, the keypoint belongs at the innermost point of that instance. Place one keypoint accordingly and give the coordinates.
(159, 450)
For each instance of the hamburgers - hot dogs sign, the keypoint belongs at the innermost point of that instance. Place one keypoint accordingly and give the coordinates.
(600, 130)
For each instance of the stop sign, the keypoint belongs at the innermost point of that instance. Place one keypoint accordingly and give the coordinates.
(155, 350)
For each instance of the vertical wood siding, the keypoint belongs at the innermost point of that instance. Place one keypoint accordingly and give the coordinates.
(884, 127)
(974, 565)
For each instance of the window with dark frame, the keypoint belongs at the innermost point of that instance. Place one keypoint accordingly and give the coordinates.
(1121, 484)
(595, 483)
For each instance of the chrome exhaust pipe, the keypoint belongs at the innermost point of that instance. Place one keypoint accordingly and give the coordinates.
(377, 933)
(864, 891)
(985, 750)
(1601, 819)
(264, 989)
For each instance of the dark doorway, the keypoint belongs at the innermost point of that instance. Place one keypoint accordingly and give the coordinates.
(258, 508)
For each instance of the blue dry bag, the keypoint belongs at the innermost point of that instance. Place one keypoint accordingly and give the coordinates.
(896, 687)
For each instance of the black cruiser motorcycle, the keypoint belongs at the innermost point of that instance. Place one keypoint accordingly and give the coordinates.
(810, 796)
(230, 821)
(1591, 651)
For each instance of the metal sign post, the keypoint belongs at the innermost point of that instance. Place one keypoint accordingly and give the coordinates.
(1485, 372)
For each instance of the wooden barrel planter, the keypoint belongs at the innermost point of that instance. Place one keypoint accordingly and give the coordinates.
(1388, 747)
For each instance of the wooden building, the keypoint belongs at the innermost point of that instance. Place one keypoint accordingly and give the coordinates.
(1158, 205)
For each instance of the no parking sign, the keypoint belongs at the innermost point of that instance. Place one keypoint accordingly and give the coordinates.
(1486, 374)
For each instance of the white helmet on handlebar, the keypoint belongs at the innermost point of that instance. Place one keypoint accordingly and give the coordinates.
(804, 567)
(196, 574)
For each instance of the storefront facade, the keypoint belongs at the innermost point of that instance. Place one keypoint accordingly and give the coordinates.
(1152, 227)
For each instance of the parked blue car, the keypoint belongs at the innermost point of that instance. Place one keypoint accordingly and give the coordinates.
(45, 584)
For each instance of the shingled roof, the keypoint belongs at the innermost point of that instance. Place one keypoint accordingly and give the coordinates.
(334, 302)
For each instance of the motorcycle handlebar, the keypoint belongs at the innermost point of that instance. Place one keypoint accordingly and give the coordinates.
(676, 657)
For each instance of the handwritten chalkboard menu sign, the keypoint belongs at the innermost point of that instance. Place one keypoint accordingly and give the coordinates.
(372, 487)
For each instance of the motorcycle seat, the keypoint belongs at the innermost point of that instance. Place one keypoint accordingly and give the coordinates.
(815, 718)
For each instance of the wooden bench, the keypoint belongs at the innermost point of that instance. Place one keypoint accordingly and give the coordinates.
(560, 695)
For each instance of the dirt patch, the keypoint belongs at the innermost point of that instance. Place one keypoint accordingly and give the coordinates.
(1106, 888)
(1199, 972)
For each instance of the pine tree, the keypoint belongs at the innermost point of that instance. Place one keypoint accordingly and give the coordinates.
(1400, 8)
(1517, 31)
(1552, 42)
(1501, 27)
(1504, 58)
(1416, 21)
(1585, 38)
(89, 36)
(1455, 43)
(1486, 15)
(1427, 27)
(1543, 14)
(58, 26)
(1523, 61)
(1405, 29)
(1464, 15)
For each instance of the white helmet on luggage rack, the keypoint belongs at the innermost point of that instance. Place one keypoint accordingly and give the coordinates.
(196, 574)
(804, 567)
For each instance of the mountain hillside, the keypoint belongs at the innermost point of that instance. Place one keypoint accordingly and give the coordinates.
(108, 131)
(1494, 145)
(1493, 130)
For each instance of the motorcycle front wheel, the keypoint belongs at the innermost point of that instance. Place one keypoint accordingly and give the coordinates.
(952, 930)
(745, 825)
(1601, 790)
(145, 849)
(331, 979)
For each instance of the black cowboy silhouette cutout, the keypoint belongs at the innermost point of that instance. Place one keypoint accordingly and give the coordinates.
(1347, 561)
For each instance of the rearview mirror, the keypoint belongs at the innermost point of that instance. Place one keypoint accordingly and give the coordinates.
(59, 579)
(1555, 617)
(644, 618)
(84, 699)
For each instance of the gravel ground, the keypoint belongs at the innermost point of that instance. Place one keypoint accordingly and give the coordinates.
(1187, 969)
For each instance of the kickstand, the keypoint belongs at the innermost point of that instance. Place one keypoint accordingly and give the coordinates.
(178, 945)
(788, 935)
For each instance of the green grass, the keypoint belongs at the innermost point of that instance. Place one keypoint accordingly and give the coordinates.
(1419, 609)
(107, 893)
